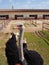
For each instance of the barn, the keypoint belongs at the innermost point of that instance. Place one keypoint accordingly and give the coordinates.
(24, 14)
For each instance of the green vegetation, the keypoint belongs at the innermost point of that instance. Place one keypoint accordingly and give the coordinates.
(34, 42)
(46, 33)
(2, 50)
(45, 36)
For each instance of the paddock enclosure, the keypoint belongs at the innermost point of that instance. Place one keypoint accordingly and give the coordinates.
(36, 31)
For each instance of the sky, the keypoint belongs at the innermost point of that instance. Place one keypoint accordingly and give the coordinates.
(24, 4)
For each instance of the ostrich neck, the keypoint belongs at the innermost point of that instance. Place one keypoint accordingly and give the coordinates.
(21, 55)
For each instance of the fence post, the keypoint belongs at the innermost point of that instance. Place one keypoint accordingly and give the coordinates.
(42, 26)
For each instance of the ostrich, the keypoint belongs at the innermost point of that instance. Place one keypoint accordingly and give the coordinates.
(21, 55)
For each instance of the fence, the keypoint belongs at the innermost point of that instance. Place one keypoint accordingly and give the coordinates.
(45, 26)
(3, 24)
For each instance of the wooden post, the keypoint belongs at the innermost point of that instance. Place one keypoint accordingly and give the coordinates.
(42, 26)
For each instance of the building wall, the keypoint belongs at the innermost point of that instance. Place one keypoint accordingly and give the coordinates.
(25, 14)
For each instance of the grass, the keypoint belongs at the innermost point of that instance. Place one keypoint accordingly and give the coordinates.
(33, 42)
(44, 36)
(46, 33)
